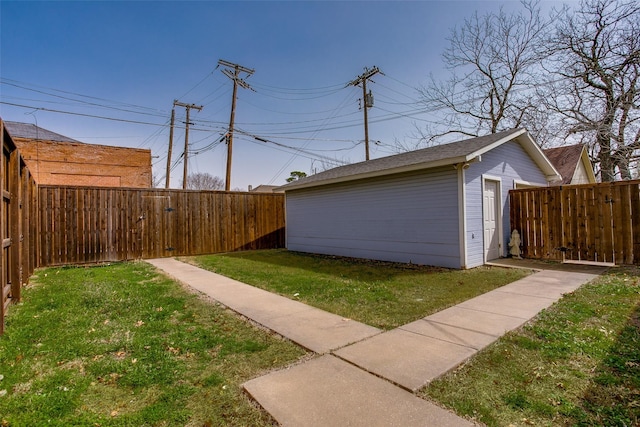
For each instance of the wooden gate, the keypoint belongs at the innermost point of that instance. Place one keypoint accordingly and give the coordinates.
(592, 222)
(88, 224)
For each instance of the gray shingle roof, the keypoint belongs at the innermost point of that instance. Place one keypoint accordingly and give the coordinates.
(31, 131)
(440, 155)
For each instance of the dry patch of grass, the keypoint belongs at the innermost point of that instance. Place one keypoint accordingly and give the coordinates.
(120, 345)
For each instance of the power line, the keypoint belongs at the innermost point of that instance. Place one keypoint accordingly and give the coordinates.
(329, 88)
(50, 110)
(335, 112)
(19, 84)
(297, 150)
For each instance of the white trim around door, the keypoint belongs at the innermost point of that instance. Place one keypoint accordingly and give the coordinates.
(492, 217)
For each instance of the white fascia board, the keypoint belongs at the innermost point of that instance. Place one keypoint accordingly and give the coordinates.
(498, 143)
(530, 146)
(541, 160)
(586, 163)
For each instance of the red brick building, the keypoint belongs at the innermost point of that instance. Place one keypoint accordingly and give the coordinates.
(55, 159)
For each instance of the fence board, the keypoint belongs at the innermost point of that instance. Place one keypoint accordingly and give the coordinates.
(618, 240)
(581, 243)
(596, 222)
(14, 226)
(18, 224)
(97, 224)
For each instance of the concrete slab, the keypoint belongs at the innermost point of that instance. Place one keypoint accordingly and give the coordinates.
(549, 283)
(478, 321)
(313, 329)
(509, 304)
(448, 333)
(539, 289)
(330, 392)
(405, 358)
(257, 304)
(192, 275)
(320, 331)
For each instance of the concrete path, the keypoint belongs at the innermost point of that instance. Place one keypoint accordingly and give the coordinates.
(414, 354)
(313, 329)
(327, 391)
(354, 382)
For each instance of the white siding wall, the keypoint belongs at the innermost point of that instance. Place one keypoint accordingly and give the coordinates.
(403, 218)
(580, 175)
(508, 162)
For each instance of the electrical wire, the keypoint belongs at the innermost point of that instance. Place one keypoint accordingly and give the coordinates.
(20, 85)
(340, 106)
(80, 114)
(329, 88)
(297, 151)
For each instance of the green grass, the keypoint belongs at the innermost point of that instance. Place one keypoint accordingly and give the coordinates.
(120, 345)
(384, 295)
(577, 364)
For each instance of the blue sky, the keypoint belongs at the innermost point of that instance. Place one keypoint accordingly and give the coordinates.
(126, 62)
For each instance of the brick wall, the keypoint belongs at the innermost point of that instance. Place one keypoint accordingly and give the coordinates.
(68, 163)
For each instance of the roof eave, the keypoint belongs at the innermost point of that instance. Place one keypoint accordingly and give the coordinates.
(538, 156)
(529, 145)
(384, 172)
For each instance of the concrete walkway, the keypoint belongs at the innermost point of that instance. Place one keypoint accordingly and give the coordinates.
(313, 329)
(366, 377)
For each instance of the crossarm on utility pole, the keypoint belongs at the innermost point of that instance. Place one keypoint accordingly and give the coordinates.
(186, 138)
(233, 72)
(362, 78)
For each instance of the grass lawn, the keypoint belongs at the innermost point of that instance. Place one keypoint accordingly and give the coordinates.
(120, 345)
(384, 295)
(578, 364)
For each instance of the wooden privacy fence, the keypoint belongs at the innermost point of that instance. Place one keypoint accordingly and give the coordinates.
(84, 224)
(18, 228)
(592, 222)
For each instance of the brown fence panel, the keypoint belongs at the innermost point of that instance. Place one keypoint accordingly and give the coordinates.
(634, 245)
(82, 225)
(18, 224)
(592, 222)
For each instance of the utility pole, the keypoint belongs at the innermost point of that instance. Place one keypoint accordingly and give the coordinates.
(233, 72)
(186, 137)
(173, 119)
(367, 100)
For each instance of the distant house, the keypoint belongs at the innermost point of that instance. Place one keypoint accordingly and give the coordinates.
(266, 189)
(573, 163)
(54, 159)
(446, 205)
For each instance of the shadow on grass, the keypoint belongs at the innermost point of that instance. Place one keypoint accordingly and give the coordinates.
(341, 267)
(613, 399)
(538, 264)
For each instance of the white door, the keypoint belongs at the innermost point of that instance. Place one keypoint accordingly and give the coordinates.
(491, 220)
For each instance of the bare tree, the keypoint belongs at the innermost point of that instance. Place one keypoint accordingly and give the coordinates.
(494, 61)
(204, 181)
(596, 69)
